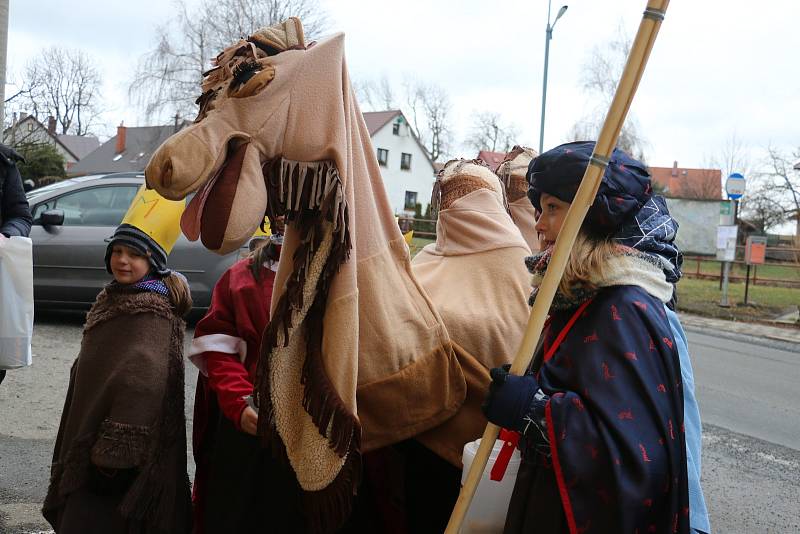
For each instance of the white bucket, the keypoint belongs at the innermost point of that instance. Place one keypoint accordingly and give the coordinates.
(487, 513)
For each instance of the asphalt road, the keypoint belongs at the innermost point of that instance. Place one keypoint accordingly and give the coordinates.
(748, 386)
(747, 389)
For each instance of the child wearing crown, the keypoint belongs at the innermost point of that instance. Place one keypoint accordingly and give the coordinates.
(119, 463)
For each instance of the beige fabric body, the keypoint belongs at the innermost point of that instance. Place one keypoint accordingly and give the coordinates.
(524, 216)
(384, 343)
(476, 276)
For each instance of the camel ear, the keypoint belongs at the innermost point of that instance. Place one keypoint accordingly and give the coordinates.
(254, 85)
(228, 209)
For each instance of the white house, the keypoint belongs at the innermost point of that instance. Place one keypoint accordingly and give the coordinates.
(407, 172)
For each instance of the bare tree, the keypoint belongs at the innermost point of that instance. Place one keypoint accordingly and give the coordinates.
(734, 157)
(600, 75)
(428, 107)
(64, 84)
(761, 208)
(167, 79)
(773, 195)
(376, 95)
(490, 132)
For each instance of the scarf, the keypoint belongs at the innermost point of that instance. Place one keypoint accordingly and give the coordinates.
(626, 267)
(652, 231)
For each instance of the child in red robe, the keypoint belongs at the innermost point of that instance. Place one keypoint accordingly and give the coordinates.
(238, 486)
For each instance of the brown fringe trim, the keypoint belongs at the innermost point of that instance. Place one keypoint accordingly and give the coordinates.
(328, 509)
(311, 196)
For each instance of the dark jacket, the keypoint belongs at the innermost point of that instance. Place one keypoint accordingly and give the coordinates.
(15, 215)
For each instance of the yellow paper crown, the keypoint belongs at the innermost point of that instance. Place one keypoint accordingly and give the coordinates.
(156, 216)
(266, 232)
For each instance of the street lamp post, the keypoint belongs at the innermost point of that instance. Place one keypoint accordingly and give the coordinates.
(548, 36)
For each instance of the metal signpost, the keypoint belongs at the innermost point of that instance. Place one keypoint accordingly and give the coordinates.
(728, 230)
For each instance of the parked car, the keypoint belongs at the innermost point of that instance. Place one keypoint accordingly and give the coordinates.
(71, 221)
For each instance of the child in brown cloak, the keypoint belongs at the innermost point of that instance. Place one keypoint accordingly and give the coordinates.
(119, 464)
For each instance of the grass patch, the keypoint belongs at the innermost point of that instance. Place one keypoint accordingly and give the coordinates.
(702, 297)
(417, 243)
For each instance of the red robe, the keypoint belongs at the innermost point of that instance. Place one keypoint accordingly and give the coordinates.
(225, 349)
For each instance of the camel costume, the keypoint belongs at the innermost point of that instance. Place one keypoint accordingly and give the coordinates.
(512, 172)
(355, 357)
(476, 277)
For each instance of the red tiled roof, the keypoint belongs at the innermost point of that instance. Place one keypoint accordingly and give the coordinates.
(680, 182)
(492, 159)
(377, 119)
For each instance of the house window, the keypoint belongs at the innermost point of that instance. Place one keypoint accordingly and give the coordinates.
(396, 128)
(383, 157)
(410, 203)
(405, 162)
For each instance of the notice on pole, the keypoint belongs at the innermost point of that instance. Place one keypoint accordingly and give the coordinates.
(726, 242)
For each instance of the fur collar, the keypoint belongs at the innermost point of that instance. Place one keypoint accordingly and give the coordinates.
(117, 299)
(628, 268)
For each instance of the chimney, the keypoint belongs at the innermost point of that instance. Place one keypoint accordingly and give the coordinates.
(177, 120)
(121, 131)
(51, 125)
(675, 169)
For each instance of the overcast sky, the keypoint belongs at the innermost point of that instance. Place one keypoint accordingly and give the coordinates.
(718, 68)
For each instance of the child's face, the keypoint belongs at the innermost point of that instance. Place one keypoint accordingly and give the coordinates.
(128, 265)
(554, 211)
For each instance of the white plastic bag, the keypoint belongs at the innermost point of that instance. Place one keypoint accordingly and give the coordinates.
(16, 302)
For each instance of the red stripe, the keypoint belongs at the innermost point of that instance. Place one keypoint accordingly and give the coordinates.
(562, 487)
(565, 330)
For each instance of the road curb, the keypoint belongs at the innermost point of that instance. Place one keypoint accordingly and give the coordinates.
(787, 335)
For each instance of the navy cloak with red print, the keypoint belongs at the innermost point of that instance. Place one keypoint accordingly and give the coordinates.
(615, 424)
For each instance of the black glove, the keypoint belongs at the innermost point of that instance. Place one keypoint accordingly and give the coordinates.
(510, 398)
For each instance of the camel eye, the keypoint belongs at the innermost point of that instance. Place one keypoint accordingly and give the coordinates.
(250, 78)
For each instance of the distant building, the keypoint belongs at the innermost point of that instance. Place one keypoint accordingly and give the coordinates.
(27, 129)
(407, 171)
(682, 182)
(128, 151)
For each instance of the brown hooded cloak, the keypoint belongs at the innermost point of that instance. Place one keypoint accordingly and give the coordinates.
(123, 417)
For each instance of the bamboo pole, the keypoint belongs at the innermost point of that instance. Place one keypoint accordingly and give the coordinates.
(634, 67)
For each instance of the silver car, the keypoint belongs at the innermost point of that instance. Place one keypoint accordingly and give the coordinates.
(72, 219)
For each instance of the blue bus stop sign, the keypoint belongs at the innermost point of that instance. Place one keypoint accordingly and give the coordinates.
(734, 186)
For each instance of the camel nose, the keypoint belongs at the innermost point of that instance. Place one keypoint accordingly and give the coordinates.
(180, 166)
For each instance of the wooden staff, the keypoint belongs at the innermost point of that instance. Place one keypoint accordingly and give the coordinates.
(634, 67)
